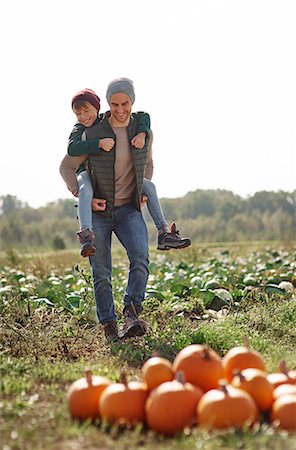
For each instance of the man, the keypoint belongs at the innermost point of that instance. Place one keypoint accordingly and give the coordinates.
(117, 177)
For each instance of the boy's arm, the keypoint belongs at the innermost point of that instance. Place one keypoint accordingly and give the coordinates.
(143, 129)
(143, 120)
(77, 146)
(149, 161)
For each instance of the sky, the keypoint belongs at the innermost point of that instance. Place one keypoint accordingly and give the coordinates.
(218, 78)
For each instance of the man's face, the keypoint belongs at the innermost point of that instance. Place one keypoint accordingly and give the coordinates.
(121, 108)
(86, 114)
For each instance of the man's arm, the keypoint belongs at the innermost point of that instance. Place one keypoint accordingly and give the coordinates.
(68, 168)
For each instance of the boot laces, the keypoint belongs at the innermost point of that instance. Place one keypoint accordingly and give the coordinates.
(173, 230)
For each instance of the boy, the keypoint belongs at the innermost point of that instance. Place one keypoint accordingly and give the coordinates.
(86, 107)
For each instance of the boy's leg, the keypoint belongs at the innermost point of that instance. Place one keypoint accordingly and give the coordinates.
(153, 205)
(85, 195)
(168, 237)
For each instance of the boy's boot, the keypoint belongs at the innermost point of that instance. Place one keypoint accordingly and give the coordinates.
(132, 325)
(171, 239)
(111, 331)
(87, 242)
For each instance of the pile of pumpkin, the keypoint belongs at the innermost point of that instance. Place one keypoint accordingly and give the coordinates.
(197, 388)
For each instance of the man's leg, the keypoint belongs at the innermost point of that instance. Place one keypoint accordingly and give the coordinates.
(101, 265)
(131, 231)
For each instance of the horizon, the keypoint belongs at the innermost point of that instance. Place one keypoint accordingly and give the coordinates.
(217, 78)
(27, 204)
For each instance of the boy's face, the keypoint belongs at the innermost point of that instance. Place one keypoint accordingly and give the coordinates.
(86, 114)
(121, 108)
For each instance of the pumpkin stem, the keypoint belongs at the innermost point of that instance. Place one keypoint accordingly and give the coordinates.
(246, 342)
(282, 366)
(223, 386)
(88, 376)
(238, 373)
(206, 352)
(154, 353)
(123, 378)
(180, 376)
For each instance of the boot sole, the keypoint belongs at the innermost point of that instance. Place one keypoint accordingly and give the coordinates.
(87, 252)
(136, 329)
(173, 247)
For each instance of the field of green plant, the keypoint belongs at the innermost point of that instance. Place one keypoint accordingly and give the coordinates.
(49, 334)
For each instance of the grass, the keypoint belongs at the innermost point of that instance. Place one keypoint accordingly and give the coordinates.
(44, 349)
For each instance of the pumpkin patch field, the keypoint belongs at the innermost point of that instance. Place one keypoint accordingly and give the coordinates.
(215, 370)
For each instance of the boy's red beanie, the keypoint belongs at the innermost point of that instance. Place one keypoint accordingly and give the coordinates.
(87, 95)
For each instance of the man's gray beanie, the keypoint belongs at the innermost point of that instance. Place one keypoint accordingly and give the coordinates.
(124, 85)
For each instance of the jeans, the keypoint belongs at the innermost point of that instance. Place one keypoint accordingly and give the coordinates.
(153, 204)
(85, 195)
(129, 227)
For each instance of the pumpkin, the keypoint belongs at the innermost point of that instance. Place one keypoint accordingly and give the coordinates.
(239, 358)
(201, 365)
(83, 396)
(283, 389)
(226, 407)
(124, 402)
(283, 412)
(171, 406)
(284, 376)
(157, 370)
(254, 382)
(292, 376)
(277, 379)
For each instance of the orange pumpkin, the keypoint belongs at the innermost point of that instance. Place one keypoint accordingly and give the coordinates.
(284, 376)
(254, 382)
(239, 358)
(277, 379)
(283, 412)
(226, 407)
(172, 405)
(283, 389)
(201, 365)
(124, 402)
(157, 370)
(83, 396)
(292, 376)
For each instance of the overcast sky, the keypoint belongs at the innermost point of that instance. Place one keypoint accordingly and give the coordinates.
(218, 78)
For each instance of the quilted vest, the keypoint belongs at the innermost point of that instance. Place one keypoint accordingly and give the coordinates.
(101, 164)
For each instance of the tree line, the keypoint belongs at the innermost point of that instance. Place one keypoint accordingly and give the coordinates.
(204, 215)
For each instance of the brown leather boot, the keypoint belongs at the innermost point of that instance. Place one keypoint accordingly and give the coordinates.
(132, 325)
(111, 331)
(171, 239)
(86, 238)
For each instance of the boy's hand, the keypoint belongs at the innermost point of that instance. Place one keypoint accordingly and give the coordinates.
(139, 140)
(98, 204)
(106, 144)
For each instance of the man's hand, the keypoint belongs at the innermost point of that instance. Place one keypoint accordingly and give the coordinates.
(143, 200)
(98, 204)
(106, 144)
(139, 140)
